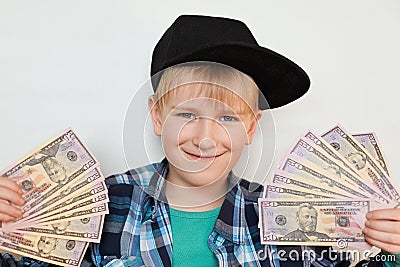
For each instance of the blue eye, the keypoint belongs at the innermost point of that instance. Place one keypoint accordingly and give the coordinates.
(228, 118)
(187, 115)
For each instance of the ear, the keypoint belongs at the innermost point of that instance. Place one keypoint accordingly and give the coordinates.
(155, 114)
(253, 126)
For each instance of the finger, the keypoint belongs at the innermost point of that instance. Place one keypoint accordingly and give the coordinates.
(10, 184)
(10, 195)
(384, 214)
(384, 226)
(385, 237)
(391, 248)
(6, 218)
(10, 210)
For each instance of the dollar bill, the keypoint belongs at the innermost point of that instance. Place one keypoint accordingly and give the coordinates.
(279, 191)
(310, 152)
(317, 166)
(329, 150)
(276, 190)
(86, 229)
(66, 200)
(62, 252)
(89, 211)
(50, 168)
(95, 206)
(283, 187)
(297, 165)
(283, 178)
(96, 195)
(81, 187)
(314, 222)
(371, 144)
(358, 156)
(307, 150)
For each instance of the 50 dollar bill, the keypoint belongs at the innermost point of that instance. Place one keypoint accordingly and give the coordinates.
(314, 222)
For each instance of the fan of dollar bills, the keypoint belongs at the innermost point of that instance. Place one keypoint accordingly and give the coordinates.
(66, 200)
(323, 188)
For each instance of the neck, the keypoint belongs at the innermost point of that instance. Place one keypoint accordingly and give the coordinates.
(205, 207)
(200, 198)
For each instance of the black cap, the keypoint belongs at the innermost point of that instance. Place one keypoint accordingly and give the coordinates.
(227, 41)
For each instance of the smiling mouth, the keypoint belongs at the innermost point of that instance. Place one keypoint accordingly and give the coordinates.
(203, 157)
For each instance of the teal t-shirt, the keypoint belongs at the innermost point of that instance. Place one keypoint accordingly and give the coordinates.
(391, 259)
(190, 231)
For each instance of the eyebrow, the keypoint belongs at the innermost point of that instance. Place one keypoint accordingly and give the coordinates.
(195, 110)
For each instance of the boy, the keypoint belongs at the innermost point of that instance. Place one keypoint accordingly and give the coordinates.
(190, 209)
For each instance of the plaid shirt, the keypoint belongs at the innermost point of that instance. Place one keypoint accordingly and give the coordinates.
(137, 232)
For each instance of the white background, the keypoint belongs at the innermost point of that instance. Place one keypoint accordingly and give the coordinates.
(79, 63)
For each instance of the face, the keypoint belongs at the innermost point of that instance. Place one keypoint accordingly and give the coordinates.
(202, 137)
(55, 171)
(307, 219)
(357, 160)
(61, 226)
(46, 244)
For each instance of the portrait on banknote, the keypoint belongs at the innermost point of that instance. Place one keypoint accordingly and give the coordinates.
(357, 159)
(61, 227)
(307, 219)
(55, 170)
(46, 245)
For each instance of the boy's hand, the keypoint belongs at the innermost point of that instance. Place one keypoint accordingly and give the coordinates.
(382, 229)
(10, 192)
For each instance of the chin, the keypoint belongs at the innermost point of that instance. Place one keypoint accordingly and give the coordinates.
(198, 180)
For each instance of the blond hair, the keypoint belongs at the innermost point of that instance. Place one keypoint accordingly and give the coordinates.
(216, 81)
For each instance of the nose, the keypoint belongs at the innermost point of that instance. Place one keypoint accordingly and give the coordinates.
(206, 133)
(206, 144)
(311, 220)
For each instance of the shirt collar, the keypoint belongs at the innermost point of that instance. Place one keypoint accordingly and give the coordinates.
(156, 187)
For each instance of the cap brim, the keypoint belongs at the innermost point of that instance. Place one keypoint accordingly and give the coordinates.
(278, 78)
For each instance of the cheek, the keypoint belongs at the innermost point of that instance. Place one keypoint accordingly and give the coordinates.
(235, 137)
(171, 131)
(185, 132)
